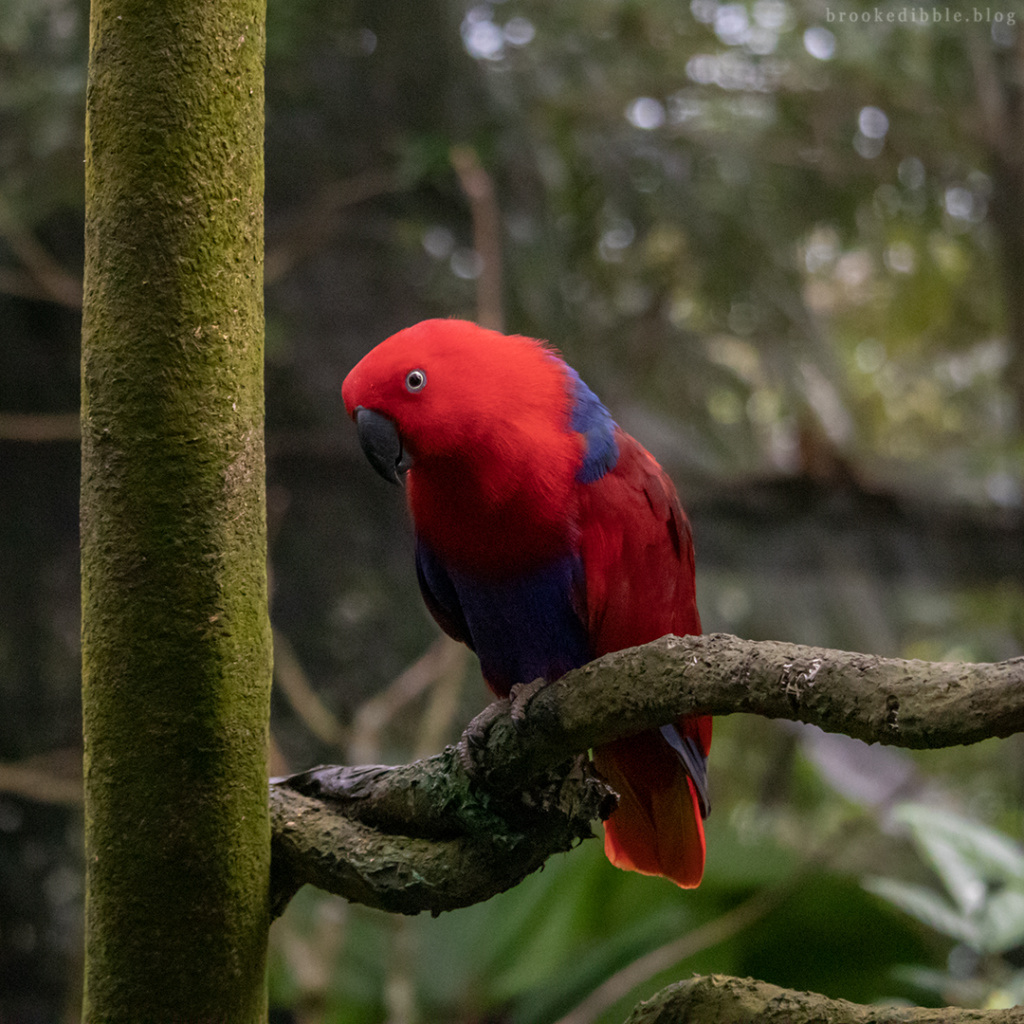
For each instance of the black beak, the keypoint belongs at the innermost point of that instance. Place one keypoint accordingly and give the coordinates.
(383, 444)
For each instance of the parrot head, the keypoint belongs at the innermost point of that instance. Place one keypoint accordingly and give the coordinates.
(478, 425)
(448, 391)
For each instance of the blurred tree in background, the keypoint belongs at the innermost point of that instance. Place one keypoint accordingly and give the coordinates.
(784, 241)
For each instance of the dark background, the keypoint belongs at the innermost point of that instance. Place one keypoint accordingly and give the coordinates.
(785, 250)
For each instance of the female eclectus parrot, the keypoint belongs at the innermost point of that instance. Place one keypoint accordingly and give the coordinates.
(546, 536)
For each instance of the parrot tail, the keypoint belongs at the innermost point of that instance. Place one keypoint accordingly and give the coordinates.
(657, 828)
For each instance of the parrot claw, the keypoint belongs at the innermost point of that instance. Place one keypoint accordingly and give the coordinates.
(521, 695)
(474, 737)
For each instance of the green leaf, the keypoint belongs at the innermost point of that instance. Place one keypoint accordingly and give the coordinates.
(927, 906)
(962, 877)
(991, 854)
(981, 869)
(1001, 926)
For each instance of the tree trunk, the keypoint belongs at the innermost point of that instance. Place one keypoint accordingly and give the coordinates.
(175, 635)
(998, 125)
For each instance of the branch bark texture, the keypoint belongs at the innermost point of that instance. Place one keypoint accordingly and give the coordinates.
(423, 836)
(746, 1001)
(521, 800)
(906, 703)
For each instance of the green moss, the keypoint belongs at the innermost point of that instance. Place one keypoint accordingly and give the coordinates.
(176, 639)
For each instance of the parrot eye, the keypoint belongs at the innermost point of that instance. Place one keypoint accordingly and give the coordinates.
(415, 380)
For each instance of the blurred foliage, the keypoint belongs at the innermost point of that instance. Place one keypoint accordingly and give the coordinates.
(535, 953)
(782, 239)
(982, 909)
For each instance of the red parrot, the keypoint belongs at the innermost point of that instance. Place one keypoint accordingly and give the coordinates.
(546, 536)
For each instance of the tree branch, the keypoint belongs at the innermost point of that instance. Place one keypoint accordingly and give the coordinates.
(305, 231)
(44, 277)
(483, 204)
(51, 778)
(905, 703)
(40, 426)
(296, 688)
(436, 845)
(434, 836)
(746, 1001)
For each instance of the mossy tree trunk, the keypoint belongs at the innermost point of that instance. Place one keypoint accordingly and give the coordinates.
(176, 638)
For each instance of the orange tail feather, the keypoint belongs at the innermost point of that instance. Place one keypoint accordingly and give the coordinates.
(657, 827)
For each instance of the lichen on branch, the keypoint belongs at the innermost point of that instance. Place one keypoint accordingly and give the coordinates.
(423, 836)
(906, 703)
(448, 831)
(716, 997)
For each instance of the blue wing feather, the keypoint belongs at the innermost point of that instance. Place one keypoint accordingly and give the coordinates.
(591, 419)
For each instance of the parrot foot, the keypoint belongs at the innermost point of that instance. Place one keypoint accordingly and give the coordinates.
(474, 738)
(521, 695)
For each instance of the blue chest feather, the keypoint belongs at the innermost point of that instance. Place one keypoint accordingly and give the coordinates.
(521, 629)
(529, 627)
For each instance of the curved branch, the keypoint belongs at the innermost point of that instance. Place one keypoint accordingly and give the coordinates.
(520, 800)
(746, 1001)
(905, 703)
(436, 843)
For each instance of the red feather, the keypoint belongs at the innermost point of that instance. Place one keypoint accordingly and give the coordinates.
(638, 559)
(496, 494)
(492, 488)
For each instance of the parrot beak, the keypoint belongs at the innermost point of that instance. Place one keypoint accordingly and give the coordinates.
(382, 444)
